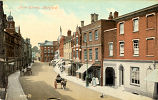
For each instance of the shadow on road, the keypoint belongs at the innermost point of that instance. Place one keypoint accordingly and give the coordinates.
(40, 90)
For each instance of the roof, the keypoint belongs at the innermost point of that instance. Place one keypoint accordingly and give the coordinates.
(67, 39)
(138, 12)
(47, 43)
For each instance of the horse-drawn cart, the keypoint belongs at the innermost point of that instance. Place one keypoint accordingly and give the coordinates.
(61, 81)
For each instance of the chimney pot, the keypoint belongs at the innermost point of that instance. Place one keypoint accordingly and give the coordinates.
(110, 16)
(116, 14)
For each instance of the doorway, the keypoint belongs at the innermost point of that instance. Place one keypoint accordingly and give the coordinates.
(121, 75)
(110, 76)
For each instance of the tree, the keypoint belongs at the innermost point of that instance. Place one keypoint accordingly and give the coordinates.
(35, 49)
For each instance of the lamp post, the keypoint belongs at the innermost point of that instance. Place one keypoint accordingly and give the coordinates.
(87, 68)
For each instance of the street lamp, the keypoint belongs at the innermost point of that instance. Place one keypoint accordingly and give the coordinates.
(87, 68)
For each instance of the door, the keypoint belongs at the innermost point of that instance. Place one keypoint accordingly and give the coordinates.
(110, 76)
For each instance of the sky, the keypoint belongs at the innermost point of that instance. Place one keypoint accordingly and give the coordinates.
(40, 20)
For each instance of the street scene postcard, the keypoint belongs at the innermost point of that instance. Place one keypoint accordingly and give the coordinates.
(78, 49)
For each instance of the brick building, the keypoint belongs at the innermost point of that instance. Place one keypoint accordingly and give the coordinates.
(46, 51)
(136, 54)
(92, 47)
(11, 49)
(67, 52)
(61, 46)
(67, 46)
(55, 47)
(76, 51)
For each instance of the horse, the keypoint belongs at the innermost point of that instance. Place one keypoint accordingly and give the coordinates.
(63, 83)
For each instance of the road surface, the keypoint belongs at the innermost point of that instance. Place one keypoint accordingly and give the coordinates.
(40, 85)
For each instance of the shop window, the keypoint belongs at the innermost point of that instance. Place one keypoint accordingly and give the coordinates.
(135, 76)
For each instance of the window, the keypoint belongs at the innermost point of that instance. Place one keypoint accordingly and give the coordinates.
(45, 51)
(150, 20)
(85, 54)
(121, 48)
(150, 46)
(85, 37)
(90, 54)
(121, 28)
(51, 51)
(96, 35)
(77, 40)
(135, 75)
(136, 47)
(76, 53)
(96, 53)
(48, 50)
(11, 25)
(135, 25)
(90, 36)
(111, 49)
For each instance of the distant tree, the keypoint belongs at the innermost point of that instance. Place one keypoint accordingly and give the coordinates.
(35, 49)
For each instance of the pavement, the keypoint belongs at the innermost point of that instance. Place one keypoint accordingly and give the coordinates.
(15, 91)
(105, 90)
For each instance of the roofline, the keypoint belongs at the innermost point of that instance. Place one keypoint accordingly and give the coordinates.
(96, 22)
(135, 13)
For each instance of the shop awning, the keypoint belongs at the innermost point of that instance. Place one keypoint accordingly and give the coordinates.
(68, 66)
(84, 68)
(12, 63)
(153, 76)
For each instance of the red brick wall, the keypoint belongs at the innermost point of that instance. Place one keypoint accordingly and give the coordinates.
(45, 55)
(61, 46)
(142, 34)
(110, 36)
(77, 34)
(101, 26)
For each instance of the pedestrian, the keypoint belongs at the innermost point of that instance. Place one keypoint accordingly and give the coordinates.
(94, 81)
(97, 81)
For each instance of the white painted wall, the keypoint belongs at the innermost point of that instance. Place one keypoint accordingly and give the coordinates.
(144, 87)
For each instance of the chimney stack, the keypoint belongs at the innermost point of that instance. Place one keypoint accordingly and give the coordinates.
(92, 18)
(115, 14)
(95, 17)
(110, 16)
(69, 33)
(82, 23)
